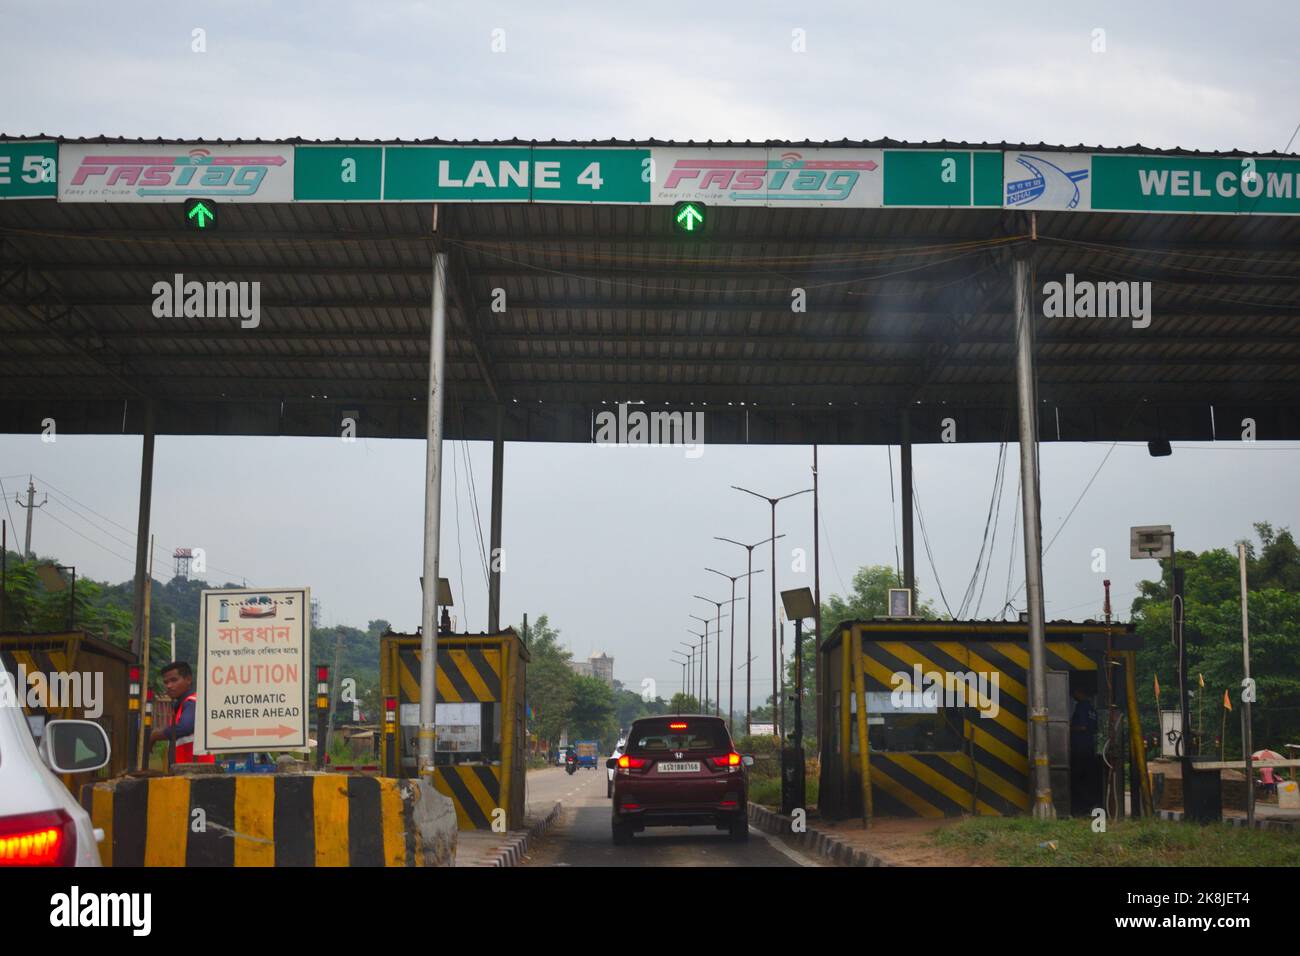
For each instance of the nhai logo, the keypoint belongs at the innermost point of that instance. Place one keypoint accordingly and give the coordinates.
(1049, 185)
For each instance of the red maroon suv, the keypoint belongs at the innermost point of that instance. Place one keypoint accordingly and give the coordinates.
(678, 772)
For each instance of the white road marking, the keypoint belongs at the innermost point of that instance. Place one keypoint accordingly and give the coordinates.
(777, 844)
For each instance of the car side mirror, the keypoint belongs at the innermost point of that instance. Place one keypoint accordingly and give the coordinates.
(611, 763)
(747, 760)
(75, 746)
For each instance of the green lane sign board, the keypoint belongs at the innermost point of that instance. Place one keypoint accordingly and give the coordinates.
(515, 174)
(859, 177)
(28, 170)
(338, 173)
(915, 177)
(1216, 184)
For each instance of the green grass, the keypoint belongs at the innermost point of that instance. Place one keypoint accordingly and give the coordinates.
(767, 791)
(1016, 841)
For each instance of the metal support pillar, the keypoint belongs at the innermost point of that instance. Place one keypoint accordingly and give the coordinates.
(495, 558)
(1026, 394)
(905, 480)
(432, 515)
(142, 534)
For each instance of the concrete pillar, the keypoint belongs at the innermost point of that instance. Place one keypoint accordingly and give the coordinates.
(432, 515)
(1026, 394)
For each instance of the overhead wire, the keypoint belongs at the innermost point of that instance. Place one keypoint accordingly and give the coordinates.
(925, 538)
(158, 547)
(5, 495)
(893, 513)
(460, 557)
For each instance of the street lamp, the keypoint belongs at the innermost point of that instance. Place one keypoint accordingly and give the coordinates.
(691, 690)
(683, 663)
(749, 615)
(776, 675)
(731, 678)
(799, 605)
(704, 662)
(717, 694)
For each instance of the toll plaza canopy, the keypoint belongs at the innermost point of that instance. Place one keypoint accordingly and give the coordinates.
(814, 292)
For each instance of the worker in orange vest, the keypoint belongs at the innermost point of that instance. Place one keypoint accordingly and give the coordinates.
(178, 681)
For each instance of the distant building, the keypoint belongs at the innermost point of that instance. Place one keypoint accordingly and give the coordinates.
(602, 666)
(599, 665)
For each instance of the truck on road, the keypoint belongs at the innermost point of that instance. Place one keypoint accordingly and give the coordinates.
(588, 753)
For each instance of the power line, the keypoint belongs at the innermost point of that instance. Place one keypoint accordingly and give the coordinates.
(1077, 501)
(52, 517)
(460, 557)
(925, 538)
(893, 514)
(158, 547)
(5, 495)
(1011, 555)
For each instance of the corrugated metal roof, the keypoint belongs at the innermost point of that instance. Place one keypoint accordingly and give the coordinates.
(883, 143)
(904, 309)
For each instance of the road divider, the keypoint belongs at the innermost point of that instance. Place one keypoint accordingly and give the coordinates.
(271, 820)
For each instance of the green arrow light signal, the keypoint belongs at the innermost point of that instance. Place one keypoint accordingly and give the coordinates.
(688, 217)
(201, 214)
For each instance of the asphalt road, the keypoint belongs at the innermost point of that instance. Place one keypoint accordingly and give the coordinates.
(581, 837)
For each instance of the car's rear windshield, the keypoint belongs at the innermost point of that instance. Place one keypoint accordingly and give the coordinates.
(678, 733)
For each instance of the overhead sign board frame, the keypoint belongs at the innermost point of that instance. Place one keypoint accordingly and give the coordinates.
(783, 176)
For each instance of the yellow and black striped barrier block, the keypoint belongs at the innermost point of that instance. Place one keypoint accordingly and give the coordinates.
(990, 775)
(475, 789)
(255, 820)
(465, 674)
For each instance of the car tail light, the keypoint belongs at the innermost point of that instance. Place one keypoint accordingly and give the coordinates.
(727, 760)
(631, 763)
(38, 839)
(677, 725)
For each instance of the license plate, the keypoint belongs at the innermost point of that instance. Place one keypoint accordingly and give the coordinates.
(689, 766)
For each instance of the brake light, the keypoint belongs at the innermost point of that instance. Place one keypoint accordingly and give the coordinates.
(728, 760)
(679, 725)
(631, 763)
(38, 839)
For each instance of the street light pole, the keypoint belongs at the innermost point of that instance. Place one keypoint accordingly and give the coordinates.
(731, 680)
(683, 663)
(704, 669)
(691, 689)
(749, 619)
(717, 694)
(776, 675)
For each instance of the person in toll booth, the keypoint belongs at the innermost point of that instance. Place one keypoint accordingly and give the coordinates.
(178, 681)
(1084, 790)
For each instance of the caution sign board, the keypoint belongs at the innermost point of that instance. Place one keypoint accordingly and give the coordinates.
(253, 673)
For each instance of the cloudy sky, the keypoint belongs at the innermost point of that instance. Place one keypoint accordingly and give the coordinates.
(612, 543)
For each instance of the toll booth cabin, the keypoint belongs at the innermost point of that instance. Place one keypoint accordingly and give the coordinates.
(947, 717)
(74, 663)
(482, 737)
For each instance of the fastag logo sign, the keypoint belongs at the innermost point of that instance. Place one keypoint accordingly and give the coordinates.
(772, 177)
(174, 173)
